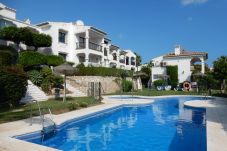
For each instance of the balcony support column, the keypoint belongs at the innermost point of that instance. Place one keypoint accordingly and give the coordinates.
(86, 59)
(87, 39)
(202, 65)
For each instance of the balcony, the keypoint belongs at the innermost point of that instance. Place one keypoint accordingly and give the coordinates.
(80, 45)
(95, 46)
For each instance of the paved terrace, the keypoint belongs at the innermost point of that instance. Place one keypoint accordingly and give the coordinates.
(216, 115)
(216, 123)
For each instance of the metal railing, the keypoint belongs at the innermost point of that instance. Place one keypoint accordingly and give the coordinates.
(80, 45)
(45, 121)
(95, 46)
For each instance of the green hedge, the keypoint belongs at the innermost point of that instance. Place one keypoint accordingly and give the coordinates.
(172, 72)
(13, 85)
(31, 59)
(126, 86)
(101, 71)
(5, 58)
(14, 53)
(159, 82)
(53, 60)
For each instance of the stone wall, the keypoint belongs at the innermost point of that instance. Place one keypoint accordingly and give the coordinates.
(109, 84)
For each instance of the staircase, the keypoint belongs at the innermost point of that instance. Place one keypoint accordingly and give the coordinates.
(33, 93)
(75, 92)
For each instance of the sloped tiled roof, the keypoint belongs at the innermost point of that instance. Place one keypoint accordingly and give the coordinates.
(185, 53)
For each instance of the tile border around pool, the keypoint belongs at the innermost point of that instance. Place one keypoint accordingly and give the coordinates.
(12, 144)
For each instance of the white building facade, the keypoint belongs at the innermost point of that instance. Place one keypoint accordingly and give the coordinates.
(181, 58)
(76, 42)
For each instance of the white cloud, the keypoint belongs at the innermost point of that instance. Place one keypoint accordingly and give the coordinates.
(189, 2)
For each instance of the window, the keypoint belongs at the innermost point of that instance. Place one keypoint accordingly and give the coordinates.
(62, 37)
(82, 39)
(163, 64)
(5, 23)
(127, 60)
(114, 56)
(63, 55)
(105, 52)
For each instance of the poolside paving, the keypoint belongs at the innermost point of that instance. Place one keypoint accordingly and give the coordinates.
(216, 111)
(216, 114)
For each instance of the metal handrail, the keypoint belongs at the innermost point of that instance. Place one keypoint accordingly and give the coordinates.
(40, 113)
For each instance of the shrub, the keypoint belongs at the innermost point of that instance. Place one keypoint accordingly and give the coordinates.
(5, 58)
(83, 104)
(30, 59)
(26, 36)
(57, 81)
(101, 71)
(13, 85)
(46, 86)
(81, 65)
(36, 77)
(46, 71)
(159, 82)
(13, 52)
(53, 60)
(70, 63)
(172, 72)
(41, 40)
(10, 33)
(73, 106)
(126, 85)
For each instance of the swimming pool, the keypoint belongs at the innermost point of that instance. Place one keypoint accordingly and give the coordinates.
(161, 126)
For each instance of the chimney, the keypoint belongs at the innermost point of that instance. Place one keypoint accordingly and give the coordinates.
(178, 49)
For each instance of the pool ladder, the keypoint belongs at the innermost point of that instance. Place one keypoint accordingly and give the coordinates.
(48, 124)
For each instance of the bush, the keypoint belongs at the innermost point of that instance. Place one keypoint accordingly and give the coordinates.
(81, 65)
(126, 86)
(73, 106)
(41, 40)
(53, 60)
(46, 71)
(57, 81)
(10, 33)
(70, 63)
(172, 72)
(159, 82)
(5, 58)
(30, 59)
(83, 104)
(101, 71)
(12, 51)
(46, 86)
(13, 85)
(36, 77)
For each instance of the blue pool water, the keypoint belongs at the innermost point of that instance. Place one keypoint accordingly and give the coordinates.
(164, 125)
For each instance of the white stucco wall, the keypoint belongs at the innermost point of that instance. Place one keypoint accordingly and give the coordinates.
(183, 63)
(7, 12)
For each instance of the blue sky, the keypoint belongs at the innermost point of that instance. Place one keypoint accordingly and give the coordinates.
(148, 27)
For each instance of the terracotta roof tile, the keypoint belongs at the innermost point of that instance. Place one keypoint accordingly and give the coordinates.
(185, 53)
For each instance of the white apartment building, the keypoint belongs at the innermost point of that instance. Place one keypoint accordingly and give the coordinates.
(76, 42)
(183, 59)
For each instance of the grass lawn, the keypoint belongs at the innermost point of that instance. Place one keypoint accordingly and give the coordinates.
(56, 106)
(149, 92)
